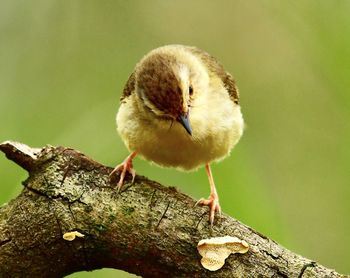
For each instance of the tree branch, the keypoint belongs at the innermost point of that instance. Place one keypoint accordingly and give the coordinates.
(147, 229)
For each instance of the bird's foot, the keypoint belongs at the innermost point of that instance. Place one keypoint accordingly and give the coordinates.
(123, 168)
(213, 203)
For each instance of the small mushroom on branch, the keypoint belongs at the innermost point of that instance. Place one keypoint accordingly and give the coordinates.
(214, 251)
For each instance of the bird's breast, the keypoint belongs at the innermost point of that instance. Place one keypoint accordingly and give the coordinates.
(215, 133)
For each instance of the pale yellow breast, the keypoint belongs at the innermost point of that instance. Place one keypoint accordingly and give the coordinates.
(217, 125)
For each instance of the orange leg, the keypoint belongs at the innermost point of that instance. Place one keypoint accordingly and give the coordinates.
(123, 168)
(213, 201)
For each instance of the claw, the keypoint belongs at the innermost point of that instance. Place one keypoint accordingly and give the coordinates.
(123, 168)
(213, 203)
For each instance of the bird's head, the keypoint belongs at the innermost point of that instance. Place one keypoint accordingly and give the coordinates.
(166, 83)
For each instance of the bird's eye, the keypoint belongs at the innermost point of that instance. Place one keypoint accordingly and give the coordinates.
(190, 90)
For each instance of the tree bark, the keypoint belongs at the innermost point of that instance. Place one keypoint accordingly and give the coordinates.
(147, 228)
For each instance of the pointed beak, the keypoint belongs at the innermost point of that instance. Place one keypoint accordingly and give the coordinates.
(184, 120)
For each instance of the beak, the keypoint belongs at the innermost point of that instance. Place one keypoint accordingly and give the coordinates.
(183, 119)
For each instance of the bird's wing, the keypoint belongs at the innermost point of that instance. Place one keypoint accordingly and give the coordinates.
(216, 68)
(129, 87)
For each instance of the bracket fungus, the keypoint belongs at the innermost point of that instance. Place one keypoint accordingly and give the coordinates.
(215, 250)
(70, 236)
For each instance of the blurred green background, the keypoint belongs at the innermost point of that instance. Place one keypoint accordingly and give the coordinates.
(63, 65)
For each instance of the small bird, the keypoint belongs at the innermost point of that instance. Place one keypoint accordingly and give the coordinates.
(179, 108)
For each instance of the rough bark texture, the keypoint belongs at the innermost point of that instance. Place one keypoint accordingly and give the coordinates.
(147, 229)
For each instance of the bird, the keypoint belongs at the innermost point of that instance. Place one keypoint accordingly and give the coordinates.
(180, 109)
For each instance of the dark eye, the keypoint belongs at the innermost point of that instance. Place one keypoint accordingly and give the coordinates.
(190, 90)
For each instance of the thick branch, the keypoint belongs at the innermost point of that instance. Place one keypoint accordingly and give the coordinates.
(147, 229)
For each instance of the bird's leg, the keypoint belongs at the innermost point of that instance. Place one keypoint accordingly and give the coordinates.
(123, 168)
(213, 201)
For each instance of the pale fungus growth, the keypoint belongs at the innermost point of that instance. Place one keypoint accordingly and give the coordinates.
(70, 236)
(215, 250)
